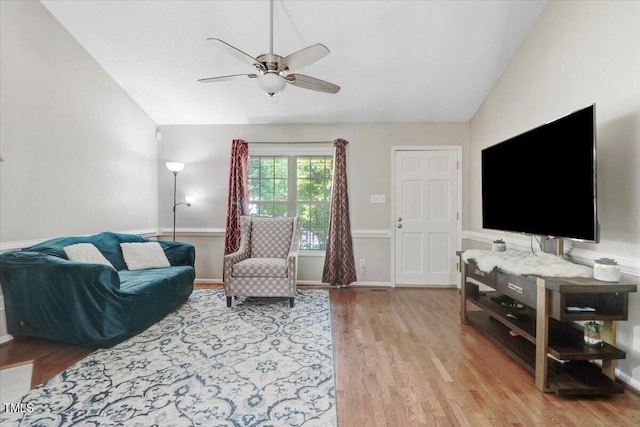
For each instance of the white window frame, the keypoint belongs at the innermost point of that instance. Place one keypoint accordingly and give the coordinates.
(292, 150)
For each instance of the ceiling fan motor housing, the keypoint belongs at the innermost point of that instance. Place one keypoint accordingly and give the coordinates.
(271, 62)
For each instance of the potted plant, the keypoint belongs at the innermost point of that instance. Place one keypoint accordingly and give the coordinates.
(606, 270)
(593, 333)
(498, 245)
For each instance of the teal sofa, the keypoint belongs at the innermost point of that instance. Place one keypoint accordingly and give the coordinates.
(48, 296)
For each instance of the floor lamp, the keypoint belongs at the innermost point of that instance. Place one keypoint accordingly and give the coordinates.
(176, 167)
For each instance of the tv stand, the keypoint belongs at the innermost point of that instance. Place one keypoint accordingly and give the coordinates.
(539, 331)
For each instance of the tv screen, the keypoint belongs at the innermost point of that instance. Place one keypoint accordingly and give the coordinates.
(544, 181)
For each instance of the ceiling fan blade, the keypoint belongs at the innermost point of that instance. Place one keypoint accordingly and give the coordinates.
(237, 53)
(312, 83)
(304, 57)
(227, 78)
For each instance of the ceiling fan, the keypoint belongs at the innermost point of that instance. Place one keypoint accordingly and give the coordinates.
(272, 77)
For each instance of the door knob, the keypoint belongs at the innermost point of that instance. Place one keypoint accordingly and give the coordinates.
(399, 225)
(399, 219)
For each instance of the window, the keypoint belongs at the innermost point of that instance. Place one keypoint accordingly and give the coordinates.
(281, 185)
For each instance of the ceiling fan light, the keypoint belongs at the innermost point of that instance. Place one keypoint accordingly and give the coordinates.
(271, 83)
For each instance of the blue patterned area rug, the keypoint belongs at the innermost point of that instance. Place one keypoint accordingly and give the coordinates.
(259, 363)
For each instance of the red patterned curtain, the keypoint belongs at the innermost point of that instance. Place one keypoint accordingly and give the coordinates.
(339, 264)
(238, 194)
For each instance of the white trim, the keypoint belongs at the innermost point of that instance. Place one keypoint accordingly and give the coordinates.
(628, 266)
(314, 283)
(291, 150)
(193, 232)
(394, 150)
(513, 241)
(309, 253)
(371, 234)
(629, 381)
(355, 284)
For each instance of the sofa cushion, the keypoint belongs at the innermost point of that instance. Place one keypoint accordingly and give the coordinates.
(85, 252)
(136, 281)
(261, 267)
(142, 256)
(108, 243)
(271, 237)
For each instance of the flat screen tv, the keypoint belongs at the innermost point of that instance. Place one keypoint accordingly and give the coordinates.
(543, 181)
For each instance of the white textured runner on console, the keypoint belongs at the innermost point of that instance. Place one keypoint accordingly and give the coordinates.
(522, 263)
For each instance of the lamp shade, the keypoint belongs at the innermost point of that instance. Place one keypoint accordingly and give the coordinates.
(271, 83)
(175, 167)
(189, 199)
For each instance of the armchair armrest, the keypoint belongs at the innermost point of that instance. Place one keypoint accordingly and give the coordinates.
(179, 253)
(234, 258)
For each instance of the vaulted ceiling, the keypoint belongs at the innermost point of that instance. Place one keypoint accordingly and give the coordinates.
(396, 61)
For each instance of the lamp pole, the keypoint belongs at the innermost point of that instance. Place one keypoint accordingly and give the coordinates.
(175, 180)
(175, 167)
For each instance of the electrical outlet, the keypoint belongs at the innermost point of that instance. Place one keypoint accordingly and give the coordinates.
(362, 264)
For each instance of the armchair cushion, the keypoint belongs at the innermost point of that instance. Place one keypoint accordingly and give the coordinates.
(271, 237)
(261, 267)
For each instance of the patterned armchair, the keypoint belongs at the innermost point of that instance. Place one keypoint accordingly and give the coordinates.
(266, 263)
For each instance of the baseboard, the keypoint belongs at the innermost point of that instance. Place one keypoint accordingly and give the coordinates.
(311, 283)
(630, 382)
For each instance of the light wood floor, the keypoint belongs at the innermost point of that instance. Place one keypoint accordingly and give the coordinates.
(402, 358)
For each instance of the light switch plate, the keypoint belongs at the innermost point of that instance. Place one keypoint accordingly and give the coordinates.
(378, 198)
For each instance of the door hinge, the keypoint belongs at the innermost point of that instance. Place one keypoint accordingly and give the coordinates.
(457, 164)
(457, 215)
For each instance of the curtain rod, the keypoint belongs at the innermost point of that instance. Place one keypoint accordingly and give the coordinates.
(290, 142)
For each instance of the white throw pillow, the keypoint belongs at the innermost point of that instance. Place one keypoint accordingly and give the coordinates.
(85, 252)
(141, 256)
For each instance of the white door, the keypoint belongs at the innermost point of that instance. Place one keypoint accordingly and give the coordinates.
(426, 216)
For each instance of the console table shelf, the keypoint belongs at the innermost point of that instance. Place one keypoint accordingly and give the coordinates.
(539, 331)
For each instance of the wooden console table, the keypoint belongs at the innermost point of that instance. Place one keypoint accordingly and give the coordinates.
(540, 333)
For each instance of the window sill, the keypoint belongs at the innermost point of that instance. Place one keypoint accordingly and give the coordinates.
(311, 254)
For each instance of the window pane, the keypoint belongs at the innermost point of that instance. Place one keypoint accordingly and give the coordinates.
(267, 165)
(304, 190)
(281, 168)
(315, 225)
(254, 189)
(266, 189)
(304, 164)
(253, 209)
(266, 210)
(254, 168)
(280, 190)
(279, 209)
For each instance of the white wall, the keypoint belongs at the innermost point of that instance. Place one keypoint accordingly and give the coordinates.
(79, 155)
(579, 53)
(206, 150)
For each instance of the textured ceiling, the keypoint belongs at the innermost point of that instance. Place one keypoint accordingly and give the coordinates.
(396, 61)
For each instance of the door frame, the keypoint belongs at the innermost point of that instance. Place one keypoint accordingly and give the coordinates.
(395, 149)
